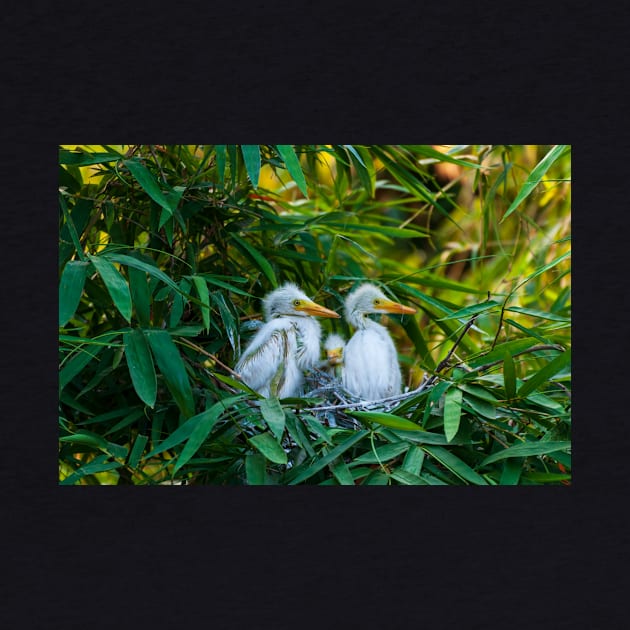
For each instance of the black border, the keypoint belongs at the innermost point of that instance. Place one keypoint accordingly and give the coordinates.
(307, 557)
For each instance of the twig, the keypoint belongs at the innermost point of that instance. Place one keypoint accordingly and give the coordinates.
(444, 362)
(205, 352)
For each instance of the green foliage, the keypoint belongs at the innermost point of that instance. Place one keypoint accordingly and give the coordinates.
(166, 251)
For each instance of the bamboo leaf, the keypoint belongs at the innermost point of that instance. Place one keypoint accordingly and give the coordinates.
(535, 176)
(329, 457)
(204, 296)
(527, 449)
(255, 469)
(150, 185)
(267, 444)
(273, 413)
(70, 289)
(115, 284)
(140, 364)
(251, 157)
(386, 419)
(291, 161)
(509, 376)
(206, 421)
(383, 453)
(543, 375)
(172, 368)
(257, 258)
(452, 412)
(455, 465)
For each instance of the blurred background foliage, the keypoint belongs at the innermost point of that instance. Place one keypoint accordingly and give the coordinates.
(165, 252)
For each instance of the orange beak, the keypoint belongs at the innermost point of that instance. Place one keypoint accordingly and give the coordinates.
(310, 308)
(394, 307)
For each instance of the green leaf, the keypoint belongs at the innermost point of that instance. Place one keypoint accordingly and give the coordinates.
(475, 309)
(429, 152)
(526, 449)
(82, 158)
(70, 289)
(130, 261)
(84, 356)
(267, 444)
(206, 422)
(407, 478)
(538, 313)
(140, 364)
(273, 413)
(149, 184)
(291, 161)
(509, 376)
(251, 157)
(220, 152)
(535, 176)
(184, 431)
(542, 376)
(383, 453)
(115, 283)
(255, 469)
(204, 296)
(257, 258)
(136, 451)
(413, 460)
(452, 412)
(455, 465)
(329, 457)
(386, 419)
(511, 471)
(172, 368)
(140, 295)
(342, 473)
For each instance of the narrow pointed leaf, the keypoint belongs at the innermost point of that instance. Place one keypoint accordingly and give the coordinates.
(172, 368)
(386, 419)
(140, 295)
(70, 289)
(535, 176)
(526, 449)
(455, 465)
(136, 451)
(140, 364)
(255, 469)
(452, 412)
(251, 157)
(257, 258)
(267, 444)
(273, 413)
(553, 367)
(149, 184)
(509, 376)
(475, 309)
(115, 284)
(206, 422)
(204, 296)
(287, 153)
(382, 453)
(130, 261)
(329, 457)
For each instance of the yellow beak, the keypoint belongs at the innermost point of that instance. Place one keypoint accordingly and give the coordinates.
(315, 309)
(394, 307)
(335, 356)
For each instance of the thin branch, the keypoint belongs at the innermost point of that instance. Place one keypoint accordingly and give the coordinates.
(444, 361)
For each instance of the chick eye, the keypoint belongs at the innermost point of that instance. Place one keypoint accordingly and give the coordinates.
(377, 302)
(296, 302)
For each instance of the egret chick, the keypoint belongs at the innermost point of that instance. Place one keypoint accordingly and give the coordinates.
(333, 346)
(287, 344)
(371, 370)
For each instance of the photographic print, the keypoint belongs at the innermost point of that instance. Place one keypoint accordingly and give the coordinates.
(315, 315)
